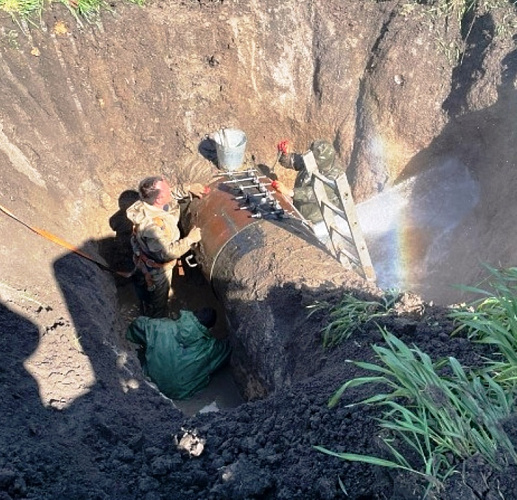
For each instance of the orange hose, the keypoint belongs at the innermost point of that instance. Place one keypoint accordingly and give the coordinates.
(56, 239)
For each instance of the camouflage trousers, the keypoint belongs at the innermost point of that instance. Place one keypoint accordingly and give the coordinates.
(155, 300)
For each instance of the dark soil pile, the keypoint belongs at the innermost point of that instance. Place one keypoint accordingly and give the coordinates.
(120, 443)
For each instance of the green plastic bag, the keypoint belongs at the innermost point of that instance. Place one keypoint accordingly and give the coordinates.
(180, 355)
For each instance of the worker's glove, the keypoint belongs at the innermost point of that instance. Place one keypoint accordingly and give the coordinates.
(194, 236)
(281, 188)
(283, 147)
(198, 190)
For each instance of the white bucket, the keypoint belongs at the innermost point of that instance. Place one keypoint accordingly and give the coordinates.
(230, 145)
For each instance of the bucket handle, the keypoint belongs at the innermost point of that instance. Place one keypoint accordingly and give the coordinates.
(225, 139)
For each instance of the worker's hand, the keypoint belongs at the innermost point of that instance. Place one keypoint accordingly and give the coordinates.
(194, 235)
(282, 188)
(283, 147)
(198, 189)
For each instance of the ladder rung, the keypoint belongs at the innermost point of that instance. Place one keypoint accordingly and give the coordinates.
(329, 182)
(335, 209)
(347, 238)
(350, 256)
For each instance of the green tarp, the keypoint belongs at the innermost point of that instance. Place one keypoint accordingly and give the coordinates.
(180, 354)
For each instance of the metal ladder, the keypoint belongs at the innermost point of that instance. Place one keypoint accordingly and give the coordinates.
(350, 250)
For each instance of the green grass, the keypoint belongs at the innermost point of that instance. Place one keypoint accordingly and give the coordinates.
(22, 8)
(28, 10)
(352, 315)
(435, 411)
(436, 414)
(492, 319)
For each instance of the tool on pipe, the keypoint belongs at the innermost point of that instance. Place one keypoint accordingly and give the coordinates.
(256, 178)
(260, 261)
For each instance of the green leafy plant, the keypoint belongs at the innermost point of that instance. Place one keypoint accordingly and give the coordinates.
(22, 8)
(434, 411)
(492, 319)
(80, 9)
(352, 314)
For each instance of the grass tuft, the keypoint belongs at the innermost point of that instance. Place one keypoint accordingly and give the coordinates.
(352, 314)
(435, 411)
(492, 319)
(27, 10)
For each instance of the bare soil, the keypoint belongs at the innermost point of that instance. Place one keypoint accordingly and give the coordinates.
(97, 107)
(115, 442)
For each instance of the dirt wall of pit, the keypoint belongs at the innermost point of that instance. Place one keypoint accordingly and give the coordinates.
(88, 110)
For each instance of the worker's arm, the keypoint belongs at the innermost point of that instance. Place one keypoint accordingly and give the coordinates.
(183, 191)
(165, 250)
(288, 158)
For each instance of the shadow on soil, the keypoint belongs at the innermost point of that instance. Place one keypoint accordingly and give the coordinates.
(117, 440)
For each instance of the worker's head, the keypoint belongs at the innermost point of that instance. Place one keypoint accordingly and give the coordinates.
(207, 316)
(324, 154)
(155, 191)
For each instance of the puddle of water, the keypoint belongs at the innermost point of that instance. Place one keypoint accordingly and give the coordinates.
(408, 228)
(221, 392)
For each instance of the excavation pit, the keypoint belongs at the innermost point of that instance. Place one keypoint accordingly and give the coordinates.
(89, 110)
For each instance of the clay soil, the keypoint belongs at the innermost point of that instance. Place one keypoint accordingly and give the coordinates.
(117, 440)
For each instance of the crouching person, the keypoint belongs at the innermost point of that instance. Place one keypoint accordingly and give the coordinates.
(304, 198)
(179, 355)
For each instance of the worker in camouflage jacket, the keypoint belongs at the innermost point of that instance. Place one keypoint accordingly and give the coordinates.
(156, 241)
(303, 195)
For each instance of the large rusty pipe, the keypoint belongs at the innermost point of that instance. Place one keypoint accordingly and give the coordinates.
(263, 270)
